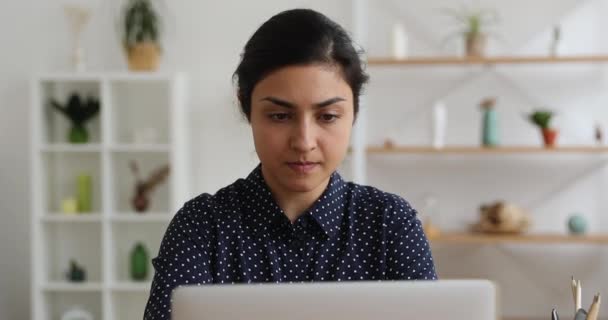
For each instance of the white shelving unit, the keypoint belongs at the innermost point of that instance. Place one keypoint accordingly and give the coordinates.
(102, 240)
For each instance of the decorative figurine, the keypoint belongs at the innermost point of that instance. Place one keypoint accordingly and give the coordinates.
(577, 224)
(143, 188)
(599, 134)
(76, 273)
(501, 217)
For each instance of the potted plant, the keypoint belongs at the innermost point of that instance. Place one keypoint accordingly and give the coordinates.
(79, 112)
(542, 119)
(141, 38)
(473, 24)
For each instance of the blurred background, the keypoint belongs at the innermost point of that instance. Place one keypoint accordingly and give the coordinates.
(488, 116)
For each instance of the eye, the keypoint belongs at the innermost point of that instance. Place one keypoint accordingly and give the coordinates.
(280, 117)
(328, 117)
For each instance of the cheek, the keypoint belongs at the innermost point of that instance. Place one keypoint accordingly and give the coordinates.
(268, 140)
(336, 139)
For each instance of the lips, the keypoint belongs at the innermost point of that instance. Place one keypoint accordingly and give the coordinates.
(303, 167)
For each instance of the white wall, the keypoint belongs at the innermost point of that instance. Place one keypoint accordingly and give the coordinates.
(206, 38)
(533, 278)
(31, 42)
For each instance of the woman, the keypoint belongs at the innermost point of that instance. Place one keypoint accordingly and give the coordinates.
(293, 218)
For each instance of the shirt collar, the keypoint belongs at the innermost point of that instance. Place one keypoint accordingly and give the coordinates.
(327, 210)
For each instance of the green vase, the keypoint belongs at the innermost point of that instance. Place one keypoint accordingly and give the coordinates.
(78, 134)
(490, 128)
(84, 192)
(139, 262)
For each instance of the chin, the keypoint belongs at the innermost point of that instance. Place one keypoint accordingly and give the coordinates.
(303, 183)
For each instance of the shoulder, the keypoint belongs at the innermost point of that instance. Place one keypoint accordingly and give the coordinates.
(391, 206)
(203, 212)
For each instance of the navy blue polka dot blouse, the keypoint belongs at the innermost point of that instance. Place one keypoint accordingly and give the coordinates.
(351, 232)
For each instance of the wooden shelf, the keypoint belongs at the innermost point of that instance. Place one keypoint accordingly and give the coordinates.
(429, 61)
(482, 150)
(478, 238)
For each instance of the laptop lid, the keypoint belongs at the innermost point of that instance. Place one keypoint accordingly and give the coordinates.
(356, 300)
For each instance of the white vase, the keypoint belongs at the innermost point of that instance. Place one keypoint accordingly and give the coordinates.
(78, 62)
(399, 41)
(439, 123)
(78, 17)
(555, 48)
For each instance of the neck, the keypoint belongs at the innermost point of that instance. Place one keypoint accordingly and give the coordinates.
(293, 203)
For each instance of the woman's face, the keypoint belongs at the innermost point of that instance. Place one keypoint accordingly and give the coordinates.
(301, 118)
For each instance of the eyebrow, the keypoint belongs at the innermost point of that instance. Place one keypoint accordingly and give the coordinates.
(290, 105)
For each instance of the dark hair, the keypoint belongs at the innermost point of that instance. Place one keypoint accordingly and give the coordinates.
(297, 37)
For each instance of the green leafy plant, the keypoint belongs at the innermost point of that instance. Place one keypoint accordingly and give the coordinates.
(472, 21)
(541, 118)
(141, 23)
(78, 111)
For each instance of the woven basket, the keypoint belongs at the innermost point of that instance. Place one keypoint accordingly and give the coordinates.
(475, 45)
(144, 56)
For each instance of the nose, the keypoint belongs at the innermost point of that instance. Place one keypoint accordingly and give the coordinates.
(303, 136)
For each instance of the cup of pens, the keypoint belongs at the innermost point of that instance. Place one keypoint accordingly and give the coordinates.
(579, 313)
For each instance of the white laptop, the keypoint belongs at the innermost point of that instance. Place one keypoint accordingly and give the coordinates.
(357, 300)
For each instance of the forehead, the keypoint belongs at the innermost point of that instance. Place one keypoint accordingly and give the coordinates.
(304, 83)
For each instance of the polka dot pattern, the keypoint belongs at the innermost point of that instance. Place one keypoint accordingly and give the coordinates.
(240, 235)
